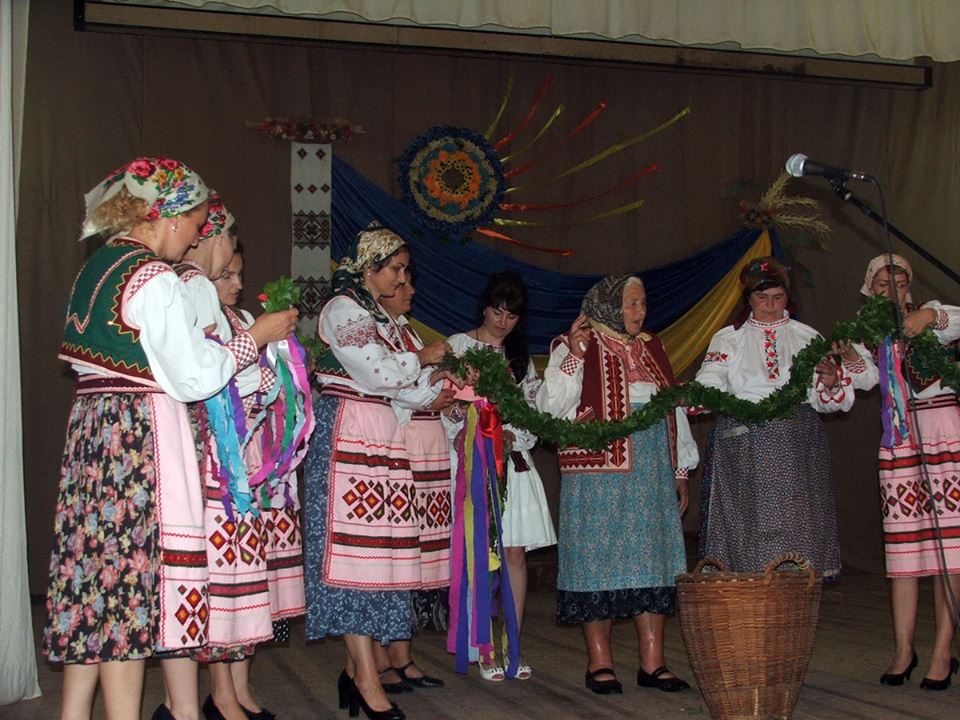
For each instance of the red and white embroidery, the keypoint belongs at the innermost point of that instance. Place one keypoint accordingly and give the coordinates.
(856, 366)
(244, 350)
(145, 275)
(570, 364)
(770, 353)
(716, 356)
(943, 320)
(356, 333)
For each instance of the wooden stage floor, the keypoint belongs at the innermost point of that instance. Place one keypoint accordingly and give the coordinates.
(853, 646)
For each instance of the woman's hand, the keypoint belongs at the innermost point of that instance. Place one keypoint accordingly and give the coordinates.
(579, 336)
(683, 494)
(443, 400)
(827, 374)
(433, 353)
(845, 349)
(438, 375)
(271, 327)
(918, 321)
(472, 375)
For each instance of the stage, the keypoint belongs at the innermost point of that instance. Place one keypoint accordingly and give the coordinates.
(854, 643)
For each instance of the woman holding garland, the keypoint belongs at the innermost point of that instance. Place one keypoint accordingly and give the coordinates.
(426, 441)
(768, 487)
(621, 541)
(362, 535)
(910, 452)
(527, 525)
(128, 570)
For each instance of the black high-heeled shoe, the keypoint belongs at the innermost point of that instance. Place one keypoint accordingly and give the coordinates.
(162, 713)
(928, 684)
(898, 678)
(394, 688)
(357, 701)
(210, 709)
(263, 714)
(344, 688)
(602, 687)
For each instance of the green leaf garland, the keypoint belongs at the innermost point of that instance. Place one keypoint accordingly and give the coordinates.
(876, 320)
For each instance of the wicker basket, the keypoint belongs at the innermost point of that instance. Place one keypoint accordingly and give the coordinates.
(749, 636)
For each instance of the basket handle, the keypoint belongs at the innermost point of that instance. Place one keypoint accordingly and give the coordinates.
(709, 561)
(792, 557)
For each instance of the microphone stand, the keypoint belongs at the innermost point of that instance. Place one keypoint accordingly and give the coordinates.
(840, 188)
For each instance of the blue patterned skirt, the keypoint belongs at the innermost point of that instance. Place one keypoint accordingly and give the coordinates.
(621, 540)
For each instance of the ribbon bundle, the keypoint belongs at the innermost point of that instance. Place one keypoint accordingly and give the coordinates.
(478, 567)
(893, 394)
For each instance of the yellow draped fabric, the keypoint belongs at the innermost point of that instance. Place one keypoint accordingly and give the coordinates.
(686, 340)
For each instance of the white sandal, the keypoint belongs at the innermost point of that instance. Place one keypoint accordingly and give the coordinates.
(494, 673)
(524, 672)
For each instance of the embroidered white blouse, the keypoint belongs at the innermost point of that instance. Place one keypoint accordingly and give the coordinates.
(560, 396)
(754, 360)
(370, 352)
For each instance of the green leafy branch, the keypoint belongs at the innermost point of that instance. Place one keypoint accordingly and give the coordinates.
(876, 320)
(280, 294)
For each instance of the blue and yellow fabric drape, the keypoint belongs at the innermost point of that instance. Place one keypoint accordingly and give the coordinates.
(688, 300)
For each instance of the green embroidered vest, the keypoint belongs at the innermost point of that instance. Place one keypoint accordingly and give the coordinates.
(95, 333)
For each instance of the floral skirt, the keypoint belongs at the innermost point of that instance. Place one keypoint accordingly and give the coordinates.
(102, 597)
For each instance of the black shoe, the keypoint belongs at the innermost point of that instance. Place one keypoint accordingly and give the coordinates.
(394, 688)
(356, 702)
(344, 688)
(424, 681)
(928, 684)
(162, 713)
(602, 687)
(264, 714)
(210, 709)
(898, 678)
(654, 680)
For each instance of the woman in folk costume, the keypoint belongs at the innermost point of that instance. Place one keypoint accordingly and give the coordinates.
(235, 527)
(913, 448)
(361, 531)
(128, 573)
(426, 441)
(526, 516)
(282, 535)
(768, 488)
(621, 540)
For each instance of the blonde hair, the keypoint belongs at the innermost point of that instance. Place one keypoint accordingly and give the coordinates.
(121, 212)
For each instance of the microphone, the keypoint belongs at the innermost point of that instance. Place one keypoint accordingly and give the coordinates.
(799, 165)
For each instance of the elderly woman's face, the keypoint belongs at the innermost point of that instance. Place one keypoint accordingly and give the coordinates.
(634, 308)
(768, 305)
(385, 281)
(897, 290)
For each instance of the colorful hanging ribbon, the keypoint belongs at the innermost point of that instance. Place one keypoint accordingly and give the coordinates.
(477, 566)
(562, 252)
(593, 115)
(650, 169)
(893, 394)
(508, 138)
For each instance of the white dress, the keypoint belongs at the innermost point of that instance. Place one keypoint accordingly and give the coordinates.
(526, 515)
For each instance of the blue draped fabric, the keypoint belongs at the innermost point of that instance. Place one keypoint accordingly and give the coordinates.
(451, 275)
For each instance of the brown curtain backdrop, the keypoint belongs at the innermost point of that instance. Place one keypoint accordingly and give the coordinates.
(95, 100)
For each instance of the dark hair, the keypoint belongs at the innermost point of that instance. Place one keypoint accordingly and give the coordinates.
(506, 290)
(238, 248)
(741, 317)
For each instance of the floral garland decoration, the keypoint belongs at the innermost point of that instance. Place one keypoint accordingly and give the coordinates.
(452, 180)
(307, 130)
(875, 321)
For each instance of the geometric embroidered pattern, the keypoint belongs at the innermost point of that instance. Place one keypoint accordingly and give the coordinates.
(357, 333)
(437, 507)
(314, 293)
(365, 500)
(192, 614)
(311, 229)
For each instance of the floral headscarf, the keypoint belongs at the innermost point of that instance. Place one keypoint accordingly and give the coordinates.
(372, 244)
(219, 219)
(603, 303)
(764, 270)
(878, 264)
(168, 186)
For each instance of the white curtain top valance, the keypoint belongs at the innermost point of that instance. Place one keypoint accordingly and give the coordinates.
(889, 29)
